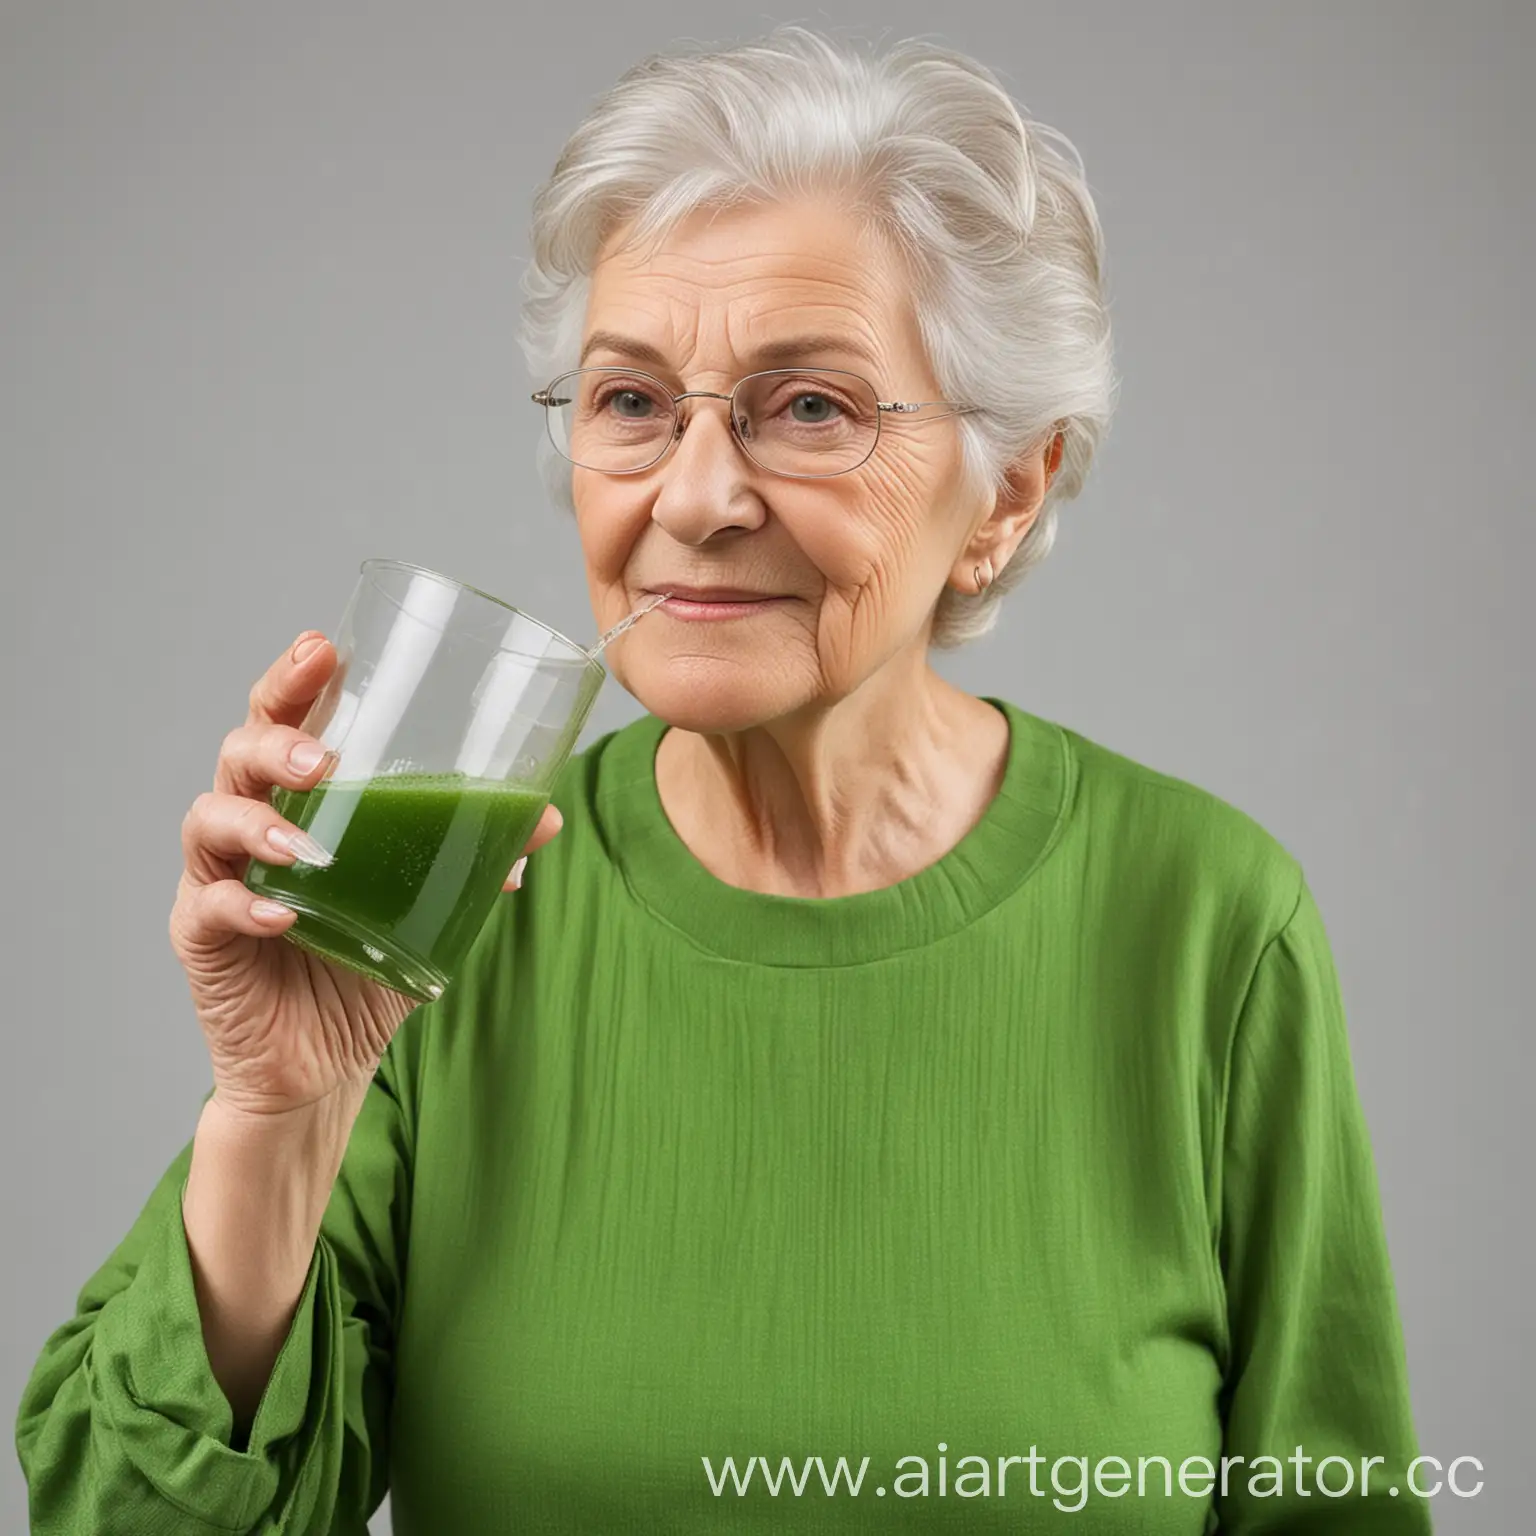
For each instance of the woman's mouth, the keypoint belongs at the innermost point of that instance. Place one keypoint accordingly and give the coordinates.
(710, 603)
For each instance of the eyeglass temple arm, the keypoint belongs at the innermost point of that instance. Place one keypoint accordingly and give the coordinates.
(917, 405)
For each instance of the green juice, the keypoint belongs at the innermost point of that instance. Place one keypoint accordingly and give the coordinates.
(418, 861)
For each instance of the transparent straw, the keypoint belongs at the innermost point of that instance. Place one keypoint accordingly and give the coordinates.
(618, 629)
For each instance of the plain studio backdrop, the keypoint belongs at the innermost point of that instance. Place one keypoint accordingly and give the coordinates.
(258, 304)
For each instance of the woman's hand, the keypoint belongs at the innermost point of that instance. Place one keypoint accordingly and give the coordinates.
(285, 1028)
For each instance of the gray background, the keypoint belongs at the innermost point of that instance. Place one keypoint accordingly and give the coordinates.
(258, 299)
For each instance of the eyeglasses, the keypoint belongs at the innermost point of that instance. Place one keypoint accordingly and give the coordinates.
(806, 423)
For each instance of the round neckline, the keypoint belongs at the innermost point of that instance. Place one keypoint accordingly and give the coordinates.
(996, 856)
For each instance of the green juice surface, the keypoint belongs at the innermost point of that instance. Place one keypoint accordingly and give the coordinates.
(418, 860)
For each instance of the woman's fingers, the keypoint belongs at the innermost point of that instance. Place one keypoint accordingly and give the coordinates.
(549, 824)
(284, 692)
(221, 830)
(254, 757)
(206, 915)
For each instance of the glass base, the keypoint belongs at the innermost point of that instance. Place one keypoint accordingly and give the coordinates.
(332, 937)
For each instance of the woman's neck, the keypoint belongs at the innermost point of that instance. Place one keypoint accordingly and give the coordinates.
(841, 800)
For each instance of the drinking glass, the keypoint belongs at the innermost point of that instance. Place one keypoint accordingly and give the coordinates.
(451, 714)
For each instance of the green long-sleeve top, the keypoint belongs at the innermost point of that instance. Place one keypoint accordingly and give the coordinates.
(1052, 1150)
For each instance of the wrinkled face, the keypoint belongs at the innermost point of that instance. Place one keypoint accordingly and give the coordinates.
(856, 561)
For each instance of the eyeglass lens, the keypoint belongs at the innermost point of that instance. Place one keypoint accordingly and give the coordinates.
(793, 421)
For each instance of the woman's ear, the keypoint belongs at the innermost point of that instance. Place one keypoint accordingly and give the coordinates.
(1013, 513)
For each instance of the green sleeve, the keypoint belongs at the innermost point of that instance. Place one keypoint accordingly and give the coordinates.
(123, 1427)
(1316, 1356)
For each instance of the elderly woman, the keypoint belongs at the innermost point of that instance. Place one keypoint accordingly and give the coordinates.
(883, 1106)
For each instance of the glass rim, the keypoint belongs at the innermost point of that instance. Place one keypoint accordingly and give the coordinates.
(371, 567)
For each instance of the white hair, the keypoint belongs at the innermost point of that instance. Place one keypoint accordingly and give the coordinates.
(990, 211)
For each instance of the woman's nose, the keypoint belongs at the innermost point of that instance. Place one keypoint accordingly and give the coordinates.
(705, 477)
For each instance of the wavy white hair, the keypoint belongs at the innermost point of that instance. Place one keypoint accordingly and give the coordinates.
(990, 210)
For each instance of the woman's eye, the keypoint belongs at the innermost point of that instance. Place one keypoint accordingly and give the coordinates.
(820, 406)
(628, 400)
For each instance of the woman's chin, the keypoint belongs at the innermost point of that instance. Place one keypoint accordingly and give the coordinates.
(698, 694)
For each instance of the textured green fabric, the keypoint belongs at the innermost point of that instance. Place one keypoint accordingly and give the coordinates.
(1056, 1144)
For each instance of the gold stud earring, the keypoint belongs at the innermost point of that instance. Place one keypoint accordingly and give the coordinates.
(983, 581)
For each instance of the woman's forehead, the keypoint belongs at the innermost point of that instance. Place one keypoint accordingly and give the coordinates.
(740, 248)
(767, 290)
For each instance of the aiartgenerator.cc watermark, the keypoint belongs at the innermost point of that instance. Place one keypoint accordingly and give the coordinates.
(1071, 1481)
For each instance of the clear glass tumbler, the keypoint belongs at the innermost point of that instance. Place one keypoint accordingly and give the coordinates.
(452, 714)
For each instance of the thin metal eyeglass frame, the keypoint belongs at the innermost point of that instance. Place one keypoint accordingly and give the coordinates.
(544, 398)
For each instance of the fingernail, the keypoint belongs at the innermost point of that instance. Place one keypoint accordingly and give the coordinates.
(269, 909)
(305, 756)
(307, 648)
(516, 877)
(300, 844)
